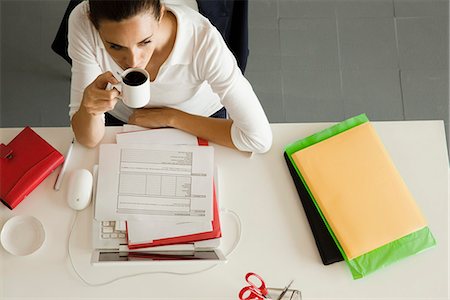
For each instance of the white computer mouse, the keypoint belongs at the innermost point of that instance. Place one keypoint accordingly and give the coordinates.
(79, 189)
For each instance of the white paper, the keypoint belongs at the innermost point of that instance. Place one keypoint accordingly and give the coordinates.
(155, 182)
(165, 136)
(148, 231)
(129, 128)
(140, 232)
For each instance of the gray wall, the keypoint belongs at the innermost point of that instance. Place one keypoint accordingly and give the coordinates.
(310, 60)
(35, 81)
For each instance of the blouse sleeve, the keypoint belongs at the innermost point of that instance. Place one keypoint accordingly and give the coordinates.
(216, 64)
(81, 49)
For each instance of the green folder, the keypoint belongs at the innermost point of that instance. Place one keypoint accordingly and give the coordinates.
(377, 258)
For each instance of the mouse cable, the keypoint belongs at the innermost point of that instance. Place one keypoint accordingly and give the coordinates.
(233, 248)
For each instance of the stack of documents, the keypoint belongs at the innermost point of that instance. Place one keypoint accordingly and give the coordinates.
(159, 181)
(362, 199)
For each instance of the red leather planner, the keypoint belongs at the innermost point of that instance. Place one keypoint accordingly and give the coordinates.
(24, 163)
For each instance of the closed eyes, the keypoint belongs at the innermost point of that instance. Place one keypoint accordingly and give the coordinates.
(119, 47)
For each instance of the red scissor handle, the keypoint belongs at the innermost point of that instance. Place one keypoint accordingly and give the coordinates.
(249, 293)
(262, 287)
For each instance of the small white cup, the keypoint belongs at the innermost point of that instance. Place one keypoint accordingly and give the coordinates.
(134, 87)
(22, 235)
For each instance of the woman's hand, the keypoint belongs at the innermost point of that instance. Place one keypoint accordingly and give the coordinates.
(96, 99)
(153, 117)
(87, 123)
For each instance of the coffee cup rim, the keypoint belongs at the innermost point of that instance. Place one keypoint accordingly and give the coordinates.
(129, 70)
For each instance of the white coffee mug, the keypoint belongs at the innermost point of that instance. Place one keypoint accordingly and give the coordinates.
(135, 87)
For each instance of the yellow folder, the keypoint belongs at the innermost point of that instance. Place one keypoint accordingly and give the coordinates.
(359, 191)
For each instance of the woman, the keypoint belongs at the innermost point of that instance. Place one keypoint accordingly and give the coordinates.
(192, 72)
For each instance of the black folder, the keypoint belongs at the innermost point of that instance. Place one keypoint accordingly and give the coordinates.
(328, 250)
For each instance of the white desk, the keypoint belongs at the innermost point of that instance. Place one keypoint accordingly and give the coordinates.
(276, 239)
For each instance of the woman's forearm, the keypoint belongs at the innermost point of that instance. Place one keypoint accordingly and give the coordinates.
(214, 130)
(89, 129)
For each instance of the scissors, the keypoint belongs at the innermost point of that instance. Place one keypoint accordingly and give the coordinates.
(253, 291)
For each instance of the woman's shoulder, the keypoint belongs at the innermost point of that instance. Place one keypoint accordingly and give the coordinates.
(188, 16)
(80, 13)
(192, 4)
(79, 20)
(80, 26)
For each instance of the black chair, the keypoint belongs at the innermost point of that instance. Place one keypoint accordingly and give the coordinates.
(229, 16)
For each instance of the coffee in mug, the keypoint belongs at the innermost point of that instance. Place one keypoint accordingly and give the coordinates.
(134, 78)
(135, 87)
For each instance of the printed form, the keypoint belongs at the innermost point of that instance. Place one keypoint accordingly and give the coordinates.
(164, 182)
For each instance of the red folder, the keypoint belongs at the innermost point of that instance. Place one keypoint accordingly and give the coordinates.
(24, 163)
(191, 238)
(216, 232)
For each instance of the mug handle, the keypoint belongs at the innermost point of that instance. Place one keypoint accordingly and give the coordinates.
(117, 86)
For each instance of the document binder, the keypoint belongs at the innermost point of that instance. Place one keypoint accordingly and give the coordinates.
(329, 252)
(360, 195)
(24, 163)
(359, 190)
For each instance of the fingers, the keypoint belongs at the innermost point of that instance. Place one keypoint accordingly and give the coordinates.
(100, 106)
(96, 99)
(106, 95)
(101, 82)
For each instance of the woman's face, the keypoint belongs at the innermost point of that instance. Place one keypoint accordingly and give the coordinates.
(131, 42)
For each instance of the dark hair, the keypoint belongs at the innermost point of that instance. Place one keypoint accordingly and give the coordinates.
(118, 10)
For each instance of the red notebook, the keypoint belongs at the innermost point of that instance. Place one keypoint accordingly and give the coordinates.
(216, 232)
(24, 163)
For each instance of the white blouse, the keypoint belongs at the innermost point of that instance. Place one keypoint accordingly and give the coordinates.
(199, 77)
